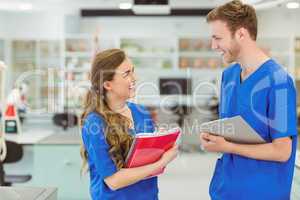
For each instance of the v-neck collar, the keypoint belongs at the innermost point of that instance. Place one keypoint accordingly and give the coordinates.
(132, 115)
(252, 75)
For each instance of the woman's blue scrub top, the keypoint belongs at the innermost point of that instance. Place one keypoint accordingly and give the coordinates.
(101, 165)
(267, 101)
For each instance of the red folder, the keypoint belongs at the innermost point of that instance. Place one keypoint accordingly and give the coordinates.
(147, 149)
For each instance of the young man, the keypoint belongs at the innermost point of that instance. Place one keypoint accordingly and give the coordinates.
(257, 88)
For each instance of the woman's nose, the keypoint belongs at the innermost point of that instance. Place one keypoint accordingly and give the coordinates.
(133, 76)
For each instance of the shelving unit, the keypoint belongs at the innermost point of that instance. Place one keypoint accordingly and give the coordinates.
(78, 53)
(31, 63)
(196, 53)
(65, 63)
(152, 53)
(50, 63)
(23, 66)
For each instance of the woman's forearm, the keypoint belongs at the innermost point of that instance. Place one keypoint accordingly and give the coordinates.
(128, 176)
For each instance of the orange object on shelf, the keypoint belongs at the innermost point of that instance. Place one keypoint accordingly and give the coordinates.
(184, 63)
(10, 111)
(198, 44)
(184, 44)
(198, 63)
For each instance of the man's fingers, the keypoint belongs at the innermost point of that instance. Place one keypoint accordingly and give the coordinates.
(205, 136)
(212, 138)
(209, 137)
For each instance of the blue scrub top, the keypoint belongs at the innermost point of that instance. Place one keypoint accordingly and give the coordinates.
(101, 165)
(267, 101)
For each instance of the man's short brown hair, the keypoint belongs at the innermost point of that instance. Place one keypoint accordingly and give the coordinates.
(236, 15)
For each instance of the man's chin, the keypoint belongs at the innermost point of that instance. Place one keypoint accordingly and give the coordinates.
(227, 61)
(131, 96)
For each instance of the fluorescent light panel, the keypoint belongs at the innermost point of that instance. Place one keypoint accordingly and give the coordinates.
(125, 5)
(293, 5)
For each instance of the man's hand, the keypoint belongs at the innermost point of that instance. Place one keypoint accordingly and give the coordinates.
(212, 143)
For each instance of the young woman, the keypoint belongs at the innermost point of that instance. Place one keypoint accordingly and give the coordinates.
(109, 123)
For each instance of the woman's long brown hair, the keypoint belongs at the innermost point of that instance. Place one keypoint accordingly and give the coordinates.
(116, 125)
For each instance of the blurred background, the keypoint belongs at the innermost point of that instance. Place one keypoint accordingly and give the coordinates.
(47, 48)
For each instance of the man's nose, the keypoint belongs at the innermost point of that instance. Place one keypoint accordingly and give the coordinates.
(214, 45)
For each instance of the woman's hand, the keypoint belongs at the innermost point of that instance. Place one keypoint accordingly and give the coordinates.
(169, 155)
(128, 176)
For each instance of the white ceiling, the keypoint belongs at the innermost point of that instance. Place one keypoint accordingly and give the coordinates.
(67, 6)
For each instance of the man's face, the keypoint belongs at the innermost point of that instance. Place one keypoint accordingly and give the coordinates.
(223, 41)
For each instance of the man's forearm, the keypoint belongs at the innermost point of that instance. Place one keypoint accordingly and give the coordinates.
(275, 151)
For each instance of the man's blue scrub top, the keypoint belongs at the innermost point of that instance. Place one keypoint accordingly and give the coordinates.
(267, 101)
(101, 165)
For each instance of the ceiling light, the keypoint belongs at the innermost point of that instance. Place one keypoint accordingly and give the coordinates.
(13, 6)
(293, 5)
(125, 5)
(25, 6)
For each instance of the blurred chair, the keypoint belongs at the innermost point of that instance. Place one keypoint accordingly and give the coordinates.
(65, 120)
(14, 154)
(181, 111)
(1, 174)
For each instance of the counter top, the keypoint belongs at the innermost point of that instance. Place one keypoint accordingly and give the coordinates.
(37, 132)
(28, 193)
(61, 139)
(29, 138)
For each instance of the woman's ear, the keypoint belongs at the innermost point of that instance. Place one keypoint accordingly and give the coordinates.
(107, 85)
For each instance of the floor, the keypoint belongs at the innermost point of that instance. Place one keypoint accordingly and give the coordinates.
(189, 176)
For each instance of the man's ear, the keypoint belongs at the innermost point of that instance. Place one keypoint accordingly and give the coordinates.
(240, 34)
(107, 85)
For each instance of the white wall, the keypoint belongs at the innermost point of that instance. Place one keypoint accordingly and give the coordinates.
(31, 25)
(279, 22)
(274, 22)
(145, 26)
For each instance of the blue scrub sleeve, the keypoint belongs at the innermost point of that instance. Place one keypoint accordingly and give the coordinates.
(282, 115)
(96, 145)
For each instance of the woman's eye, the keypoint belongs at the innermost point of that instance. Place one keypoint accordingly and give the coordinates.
(126, 74)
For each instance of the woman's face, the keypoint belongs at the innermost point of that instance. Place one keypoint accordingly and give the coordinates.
(123, 84)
